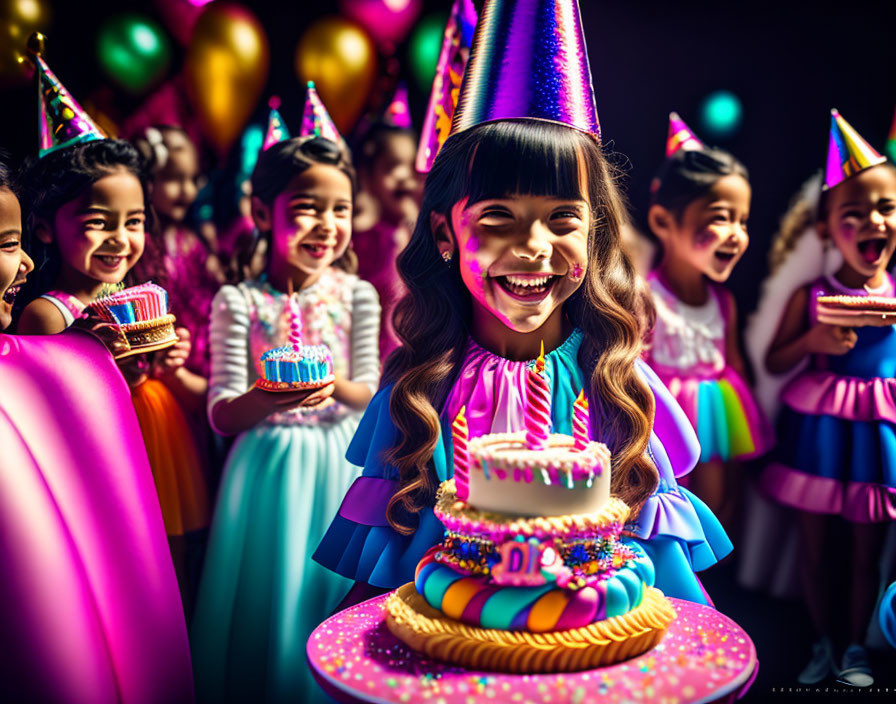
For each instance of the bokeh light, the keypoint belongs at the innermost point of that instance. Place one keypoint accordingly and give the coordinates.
(424, 48)
(721, 114)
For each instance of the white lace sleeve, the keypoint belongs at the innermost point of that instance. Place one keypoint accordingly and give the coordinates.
(365, 335)
(229, 338)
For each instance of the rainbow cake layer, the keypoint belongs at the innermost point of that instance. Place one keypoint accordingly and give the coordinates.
(293, 367)
(141, 314)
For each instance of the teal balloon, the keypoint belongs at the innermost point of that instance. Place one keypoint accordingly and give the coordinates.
(720, 114)
(424, 48)
(134, 51)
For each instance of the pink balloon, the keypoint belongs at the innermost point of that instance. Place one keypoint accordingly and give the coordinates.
(386, 21)
(179, 16)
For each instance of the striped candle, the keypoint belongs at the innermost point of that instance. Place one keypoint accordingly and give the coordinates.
(538, 405)
(459, 437)
(295, 322)
(580, 421)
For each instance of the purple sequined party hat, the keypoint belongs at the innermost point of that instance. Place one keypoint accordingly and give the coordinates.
(528, 61)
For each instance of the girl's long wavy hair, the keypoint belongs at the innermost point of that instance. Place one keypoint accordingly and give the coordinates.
(432, 320)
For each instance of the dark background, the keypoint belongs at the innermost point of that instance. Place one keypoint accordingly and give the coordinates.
(789, 62)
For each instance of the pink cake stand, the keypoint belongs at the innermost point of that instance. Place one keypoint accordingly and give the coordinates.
(704, 657)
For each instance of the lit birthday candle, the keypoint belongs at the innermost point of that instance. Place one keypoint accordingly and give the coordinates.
(295, 322)
(459, 436)
(538, 405)
(580, 421)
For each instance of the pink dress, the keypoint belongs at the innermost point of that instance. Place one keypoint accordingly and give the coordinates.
(190, 291)
(837, 428)
(89, 605)
(688, 354)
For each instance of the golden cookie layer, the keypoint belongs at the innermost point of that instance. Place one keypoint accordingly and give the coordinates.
(873, 303)
(429, 631)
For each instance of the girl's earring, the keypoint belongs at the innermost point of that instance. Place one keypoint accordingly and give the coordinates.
(446, 257)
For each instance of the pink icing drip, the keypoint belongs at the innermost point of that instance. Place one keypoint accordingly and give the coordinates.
(538, 410)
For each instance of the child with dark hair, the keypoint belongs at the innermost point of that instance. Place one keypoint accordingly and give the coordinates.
(88, 602)
(699, 208)
(87, 215)
(176, 254)
(392, 187)
(15, 264)
(517, 246)
(261, 593)
(837, 429)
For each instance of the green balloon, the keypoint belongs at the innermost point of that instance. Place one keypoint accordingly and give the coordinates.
(134, 51)
(425, 46)
(721, 113)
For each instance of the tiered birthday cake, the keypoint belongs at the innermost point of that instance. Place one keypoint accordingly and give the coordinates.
(141, 314)
(296, 366)
(532, 575)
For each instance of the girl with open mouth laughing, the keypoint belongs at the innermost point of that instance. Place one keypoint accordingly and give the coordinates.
(517, 245)
(837, 426)
(699, 209)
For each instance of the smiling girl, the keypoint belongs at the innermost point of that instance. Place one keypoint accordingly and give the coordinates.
(699, 210)
(518, 245)
(837, 452)
(261, 594)
(15, 264)
(87, 212)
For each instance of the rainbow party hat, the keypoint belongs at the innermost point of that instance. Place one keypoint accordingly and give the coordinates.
(316, 121)
(398, 111)
(276, 130)
(891, 139)
(63, 121)
(528, 61)
(680, 136)
(848, 153)
(446, 84)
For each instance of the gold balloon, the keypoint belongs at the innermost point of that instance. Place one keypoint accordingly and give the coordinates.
(18, 19)
(341, 59)
(226, 70)
(25, 15)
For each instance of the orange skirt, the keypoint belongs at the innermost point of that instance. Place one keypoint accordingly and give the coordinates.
(175, 461)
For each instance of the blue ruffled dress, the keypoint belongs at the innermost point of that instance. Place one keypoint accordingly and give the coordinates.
(675, 528)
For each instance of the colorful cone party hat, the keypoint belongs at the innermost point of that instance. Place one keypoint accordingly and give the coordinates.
(276, 130)
(316, 121)
(528, 61)
(680, 136)
(62, 121)
(446, 84)
(398, 111)
(891, 139)
(848, 153)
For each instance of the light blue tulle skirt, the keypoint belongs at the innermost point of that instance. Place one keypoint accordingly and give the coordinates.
(261, 594)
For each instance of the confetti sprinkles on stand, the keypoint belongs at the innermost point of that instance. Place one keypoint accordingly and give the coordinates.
(704, 656)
